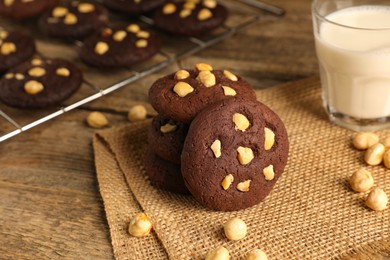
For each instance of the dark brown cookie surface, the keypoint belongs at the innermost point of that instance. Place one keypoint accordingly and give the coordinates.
(74, 19)
(164, 174)
(119, 46)
(190, 17)
(166, 138)
(15, 47)
(39, 83)
(182, 95)
(234, 153)
(133, 6)
(22, 9)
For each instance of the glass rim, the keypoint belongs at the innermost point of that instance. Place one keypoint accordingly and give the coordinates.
(315, 11)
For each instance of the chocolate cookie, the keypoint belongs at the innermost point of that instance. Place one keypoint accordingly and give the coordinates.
(184, 94)
(22, 9)
(190, 17)
(39, 83)
(166, 138)
(133, 6)
(15, 47)
(120, 46)
(164, 174)
(234, 153)
(75, 19)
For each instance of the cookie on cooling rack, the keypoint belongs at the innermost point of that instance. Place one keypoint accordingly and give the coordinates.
(166, 138)
(182, 95)
(133, 6)
(22, 9)
(234, 153)
(119, 46)
(164, 174)
(15, 47)
(39, 83)
(74, 19)
(190, 17)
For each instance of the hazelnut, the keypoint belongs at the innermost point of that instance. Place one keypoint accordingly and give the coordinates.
(137, 113)
(386, 159)
(256, 254)
(216, 148)
(33, 87)
(269, 136)
(97, 120)
(361, 181)
(101, 48)
(119, 35)
(189, 5)
(207, 78)
(241, 122)
(140, 225)
(185, 13)
(59, 11)
(168, 128)
(70, 19)
(235, 229)
(269, 173)
(374, 154)
(134, 28)
(377, 199)
(64, 72)
(219, 253)
(169, 8)
(204, 14)
(182, 74)
(244, 186)
(183, 89)
(203, 66)
(36, 62)
(386, 143)
(362, 141)
(37, 72)
(143, 34)
(227, 181)
(8, 48)
(86, 8)
(228, 91)
(245, 155)
(210, 3)
(230, 75)
(142, 43)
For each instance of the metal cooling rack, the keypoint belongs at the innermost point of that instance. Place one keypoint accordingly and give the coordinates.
(253, 10)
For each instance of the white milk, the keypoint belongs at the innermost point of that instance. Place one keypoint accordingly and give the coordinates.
(355, 63)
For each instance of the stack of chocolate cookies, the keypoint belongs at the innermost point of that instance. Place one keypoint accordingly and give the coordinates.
(213, 139)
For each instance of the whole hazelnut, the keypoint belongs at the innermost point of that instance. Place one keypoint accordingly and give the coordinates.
(377, 199)
(361, 181)
(235, 229)
(97, 120)
(363, 141)
(140, 225)
(256, 254)
(219, 253)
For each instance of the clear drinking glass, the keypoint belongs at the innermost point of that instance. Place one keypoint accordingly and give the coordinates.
(352, 40)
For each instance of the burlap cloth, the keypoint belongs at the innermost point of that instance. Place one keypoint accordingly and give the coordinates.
(310, 214)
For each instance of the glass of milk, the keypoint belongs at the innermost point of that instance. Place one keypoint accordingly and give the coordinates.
(352, 40)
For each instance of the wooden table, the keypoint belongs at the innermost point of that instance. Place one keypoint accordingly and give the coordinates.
(50, 206)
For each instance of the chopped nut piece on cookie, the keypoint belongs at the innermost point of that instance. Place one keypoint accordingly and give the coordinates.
(168, 128)
(203, 67)
(269, 138)
(245, 155)
(37, 72)
(182, 74)
(207, 78)
(204, 14)
(64, 72)
(244, 186)
(228, 91)
(183, 89)
(269, 173)
(216, 148)
(227, 181)
(230, 75)
(241, 122)
(33, 87)
(169, 8)
(101, 48)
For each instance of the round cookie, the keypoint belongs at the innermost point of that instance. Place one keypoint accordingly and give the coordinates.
(166, 138)
(190, 17)
(133, 6)
(234, 153)
(74, 20)
(39, 83)
(15, 47)
(22, 9)
(164, 174)
(182, 95)
(120, 46)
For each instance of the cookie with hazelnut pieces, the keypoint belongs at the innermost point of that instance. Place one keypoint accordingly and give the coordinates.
(164, 174)
(120, 46)
(133, 6)
(190, 17)
(39, 83)
(24, 9)
(234, 153)
(73, 20)
(15, 47)
(182, 95)
(166, 138)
